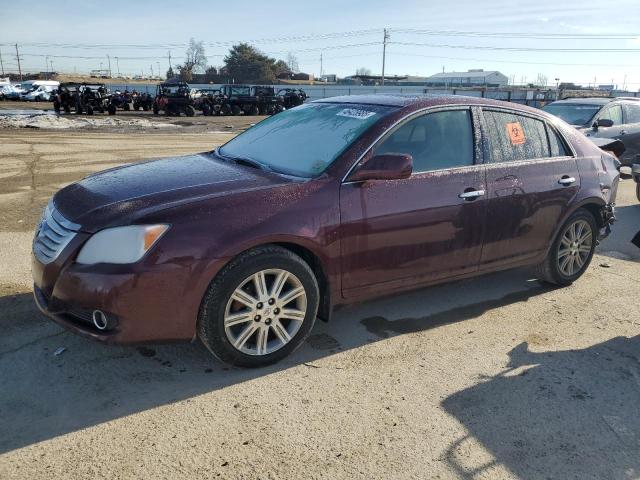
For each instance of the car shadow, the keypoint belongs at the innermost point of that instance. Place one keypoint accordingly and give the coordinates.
(48, 392)
(619, 244)
(556, 414)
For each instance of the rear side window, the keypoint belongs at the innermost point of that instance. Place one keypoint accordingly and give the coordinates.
(633, 113)
(436, 140)
(512, 137)
(558, 148)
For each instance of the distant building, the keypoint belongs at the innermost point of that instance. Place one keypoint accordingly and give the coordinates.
(471, 78)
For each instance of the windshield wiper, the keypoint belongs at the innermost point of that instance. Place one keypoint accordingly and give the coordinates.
(244, 161)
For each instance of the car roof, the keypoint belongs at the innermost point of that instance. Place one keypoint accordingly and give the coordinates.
(585, 101)
(415, 102)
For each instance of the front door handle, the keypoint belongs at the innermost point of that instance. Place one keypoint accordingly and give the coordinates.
(566, 181)
(471, 195)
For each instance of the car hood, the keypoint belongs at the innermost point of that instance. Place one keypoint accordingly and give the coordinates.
(124, 194)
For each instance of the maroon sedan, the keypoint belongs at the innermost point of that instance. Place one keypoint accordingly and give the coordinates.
(329, 203)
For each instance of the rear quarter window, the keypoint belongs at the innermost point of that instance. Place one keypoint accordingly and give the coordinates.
(512, 137)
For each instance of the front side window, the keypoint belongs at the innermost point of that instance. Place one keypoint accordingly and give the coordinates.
(613, 113)
(436, 140)
(305, 140)
(512, 137)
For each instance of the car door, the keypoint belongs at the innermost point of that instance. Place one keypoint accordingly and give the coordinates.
(532, 178)
(400, 232)
(631, 133)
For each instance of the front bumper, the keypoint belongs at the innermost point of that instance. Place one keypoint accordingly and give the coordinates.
(151, 303)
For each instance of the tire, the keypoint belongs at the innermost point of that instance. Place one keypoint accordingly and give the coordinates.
(136, 107)
(67, 108)
(89, 110)
(579, 258)
(638, 191)
(235, 110)
(126, 107)
(145, 108)
(156, 110)
(254, 111)
(111, 109)
(225, 109)
(217, 302)
(206, 110)
(189, 111)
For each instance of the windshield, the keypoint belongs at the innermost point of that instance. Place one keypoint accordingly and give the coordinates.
(305, 140)
(573, 113)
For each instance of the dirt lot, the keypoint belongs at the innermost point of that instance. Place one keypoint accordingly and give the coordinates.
(498, 377)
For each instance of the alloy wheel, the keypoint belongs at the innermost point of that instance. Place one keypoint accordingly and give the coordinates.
(265, 312)
(575, 247)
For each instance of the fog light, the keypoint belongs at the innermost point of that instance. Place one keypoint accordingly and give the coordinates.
(100, 320)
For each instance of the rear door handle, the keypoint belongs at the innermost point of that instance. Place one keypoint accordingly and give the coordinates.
(566, 181)
(471, 195)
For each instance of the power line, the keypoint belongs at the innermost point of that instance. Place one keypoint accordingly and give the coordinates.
(528, 35)
(519, 49)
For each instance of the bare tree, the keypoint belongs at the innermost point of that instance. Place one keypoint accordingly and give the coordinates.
(292, 62)
(363, 71)
(195, 57)
(541, 80)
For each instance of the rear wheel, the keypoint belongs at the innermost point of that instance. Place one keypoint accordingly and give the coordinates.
(235, 110)
(189, 111)
(259, 308)
(572, 251)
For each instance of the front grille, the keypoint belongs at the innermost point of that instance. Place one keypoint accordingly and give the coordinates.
(52, 234)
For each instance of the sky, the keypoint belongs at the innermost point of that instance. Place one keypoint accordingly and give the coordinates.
(521, 39)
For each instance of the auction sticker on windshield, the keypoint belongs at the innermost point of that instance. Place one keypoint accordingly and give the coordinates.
(355, 113)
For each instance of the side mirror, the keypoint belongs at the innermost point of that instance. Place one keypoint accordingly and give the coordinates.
(387, 166)
(603, 122)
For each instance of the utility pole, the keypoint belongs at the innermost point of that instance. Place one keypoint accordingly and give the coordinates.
(109, 61)
(320, 65)
(151, 70)
(18, 58)
(2, 64)
(170, 60)
(384, 52)
(118, 65)
(158, 65)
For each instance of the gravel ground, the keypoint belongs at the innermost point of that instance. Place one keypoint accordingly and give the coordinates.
(498, 377)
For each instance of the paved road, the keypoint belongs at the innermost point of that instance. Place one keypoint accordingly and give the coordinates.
(498, 377)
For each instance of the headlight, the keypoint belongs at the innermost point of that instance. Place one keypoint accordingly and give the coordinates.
(120, 244)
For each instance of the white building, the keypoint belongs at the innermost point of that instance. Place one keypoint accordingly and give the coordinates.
(471, 78)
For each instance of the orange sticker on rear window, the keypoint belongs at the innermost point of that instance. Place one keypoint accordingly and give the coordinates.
(516, 134)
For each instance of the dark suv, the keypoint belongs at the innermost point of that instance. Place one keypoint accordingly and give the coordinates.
(617, 118)
(329, 203)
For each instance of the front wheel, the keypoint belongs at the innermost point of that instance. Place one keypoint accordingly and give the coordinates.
(259, 308)
(572, 250)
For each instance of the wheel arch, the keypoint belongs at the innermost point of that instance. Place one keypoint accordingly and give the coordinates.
(593, 205)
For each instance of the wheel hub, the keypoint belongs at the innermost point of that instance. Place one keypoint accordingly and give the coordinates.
(265, 312)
